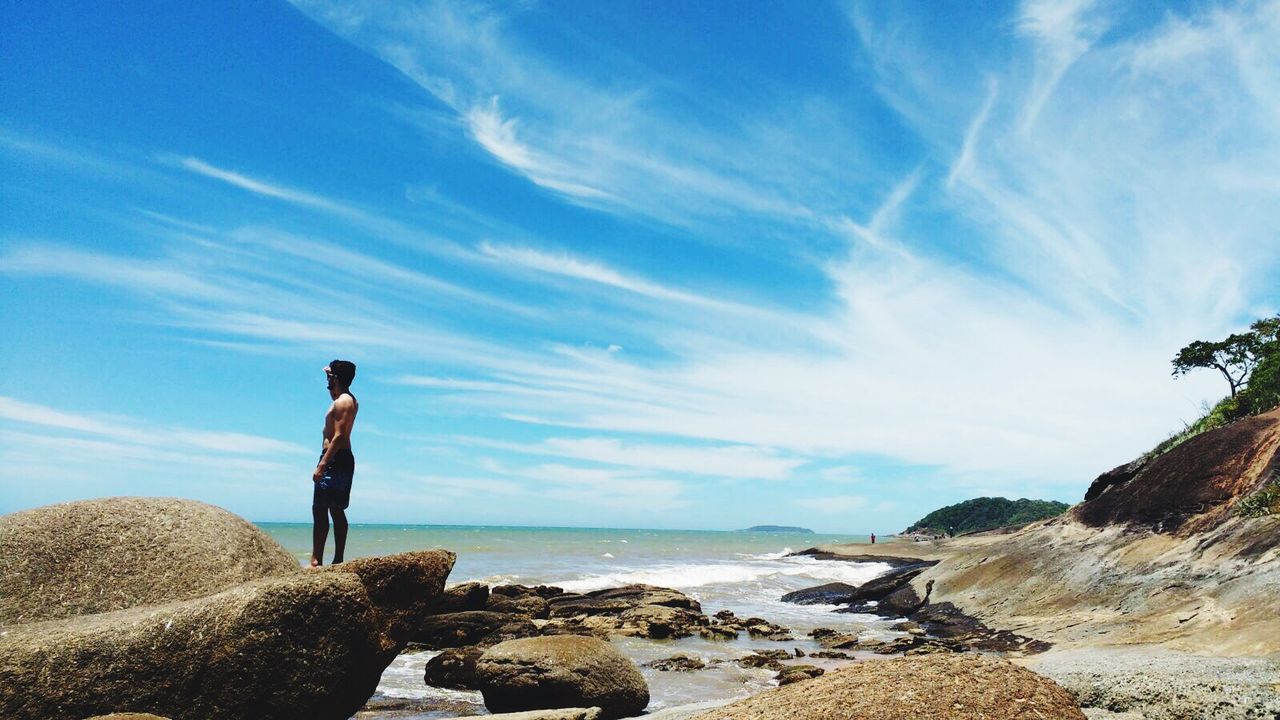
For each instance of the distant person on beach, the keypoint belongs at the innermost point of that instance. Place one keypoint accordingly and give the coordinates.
(873, 538)
(337, 465)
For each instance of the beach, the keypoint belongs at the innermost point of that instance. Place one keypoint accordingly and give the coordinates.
(745, 572)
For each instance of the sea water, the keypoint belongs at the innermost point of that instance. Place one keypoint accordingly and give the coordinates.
(746, 572)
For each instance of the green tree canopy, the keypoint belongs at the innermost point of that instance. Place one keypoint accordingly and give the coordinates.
(1237, 357)
(985, 513)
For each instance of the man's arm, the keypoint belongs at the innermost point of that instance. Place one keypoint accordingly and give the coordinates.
(343, 419)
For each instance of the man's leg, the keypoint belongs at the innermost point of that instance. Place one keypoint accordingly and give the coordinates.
(320, 533)
(339, 533)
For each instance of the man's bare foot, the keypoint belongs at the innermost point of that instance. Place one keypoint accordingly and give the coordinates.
(316, 562)
(336, 560)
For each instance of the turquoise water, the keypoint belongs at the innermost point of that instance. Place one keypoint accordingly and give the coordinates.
(746, 572)
(537, 554)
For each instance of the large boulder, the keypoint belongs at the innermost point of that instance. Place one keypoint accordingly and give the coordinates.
(939, 687)
(558, 672)
(95, 556)
(306, 645)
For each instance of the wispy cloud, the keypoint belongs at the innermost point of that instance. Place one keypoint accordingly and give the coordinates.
(133, 432)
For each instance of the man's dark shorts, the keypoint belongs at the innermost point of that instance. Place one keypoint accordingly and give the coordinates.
(334, 489)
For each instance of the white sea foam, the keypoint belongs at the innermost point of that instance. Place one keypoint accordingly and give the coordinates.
(694, 575)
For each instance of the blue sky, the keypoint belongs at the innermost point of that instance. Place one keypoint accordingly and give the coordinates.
(623, 264)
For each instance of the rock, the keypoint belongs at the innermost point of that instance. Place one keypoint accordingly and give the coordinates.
(128, 716)
(905, 626)
(660, 622)
(831, 655)
(634, 610)
(939, 687)
(305, 645)
(473, 627)
(893, 561)
(1115, 476)
(519, 591)
(880, 586)
(835, 593)
(454, 668)
(682, 663)
(828, 638)
(760, 628)
(95, 556)
(796, 673)
(462, 598)
(592, 713)
(561, 671)
(614, 601)
(726, 625)
(530, 606)
(756, 660)
(947, 621)
(902, 602)
(1193, 484)
(402, 589)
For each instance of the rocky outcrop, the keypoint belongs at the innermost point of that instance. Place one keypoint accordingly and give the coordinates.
(893, 561)
(472, 627)
(306, 645)
(882, 585)
(558, 672)
(1191, 487)
(291, 644)
(834, 593)
(95, 556)
(939, 687)
(634, 610)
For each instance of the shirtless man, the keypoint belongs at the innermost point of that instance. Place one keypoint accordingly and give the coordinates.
(337, 465)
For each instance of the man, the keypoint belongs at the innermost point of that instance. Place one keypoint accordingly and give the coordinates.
(337, 465)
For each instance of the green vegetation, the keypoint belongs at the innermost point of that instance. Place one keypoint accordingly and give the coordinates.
(1264, 502)
(1250, 363)
(985, 513)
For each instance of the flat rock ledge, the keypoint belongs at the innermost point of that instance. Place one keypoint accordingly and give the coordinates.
(938, 687)
(560, 672)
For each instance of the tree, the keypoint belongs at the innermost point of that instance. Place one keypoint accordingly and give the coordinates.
(1234, 357)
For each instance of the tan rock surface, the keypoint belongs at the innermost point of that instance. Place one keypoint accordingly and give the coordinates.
(558, 672)
(938, 687)
(102, 555)
(305, 645)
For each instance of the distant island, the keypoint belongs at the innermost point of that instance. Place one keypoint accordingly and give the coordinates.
(985, 513)
(778, 529)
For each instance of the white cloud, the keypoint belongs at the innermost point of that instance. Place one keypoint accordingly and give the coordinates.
(833, 504)
(171, 440)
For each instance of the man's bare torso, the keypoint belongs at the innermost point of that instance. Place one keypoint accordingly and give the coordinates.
(343, 410)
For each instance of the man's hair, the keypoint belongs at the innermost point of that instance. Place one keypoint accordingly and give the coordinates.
(344, 371)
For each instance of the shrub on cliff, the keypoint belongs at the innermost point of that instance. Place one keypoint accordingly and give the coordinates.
(985, 513)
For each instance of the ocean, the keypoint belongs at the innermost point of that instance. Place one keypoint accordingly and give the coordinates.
(746, 572)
